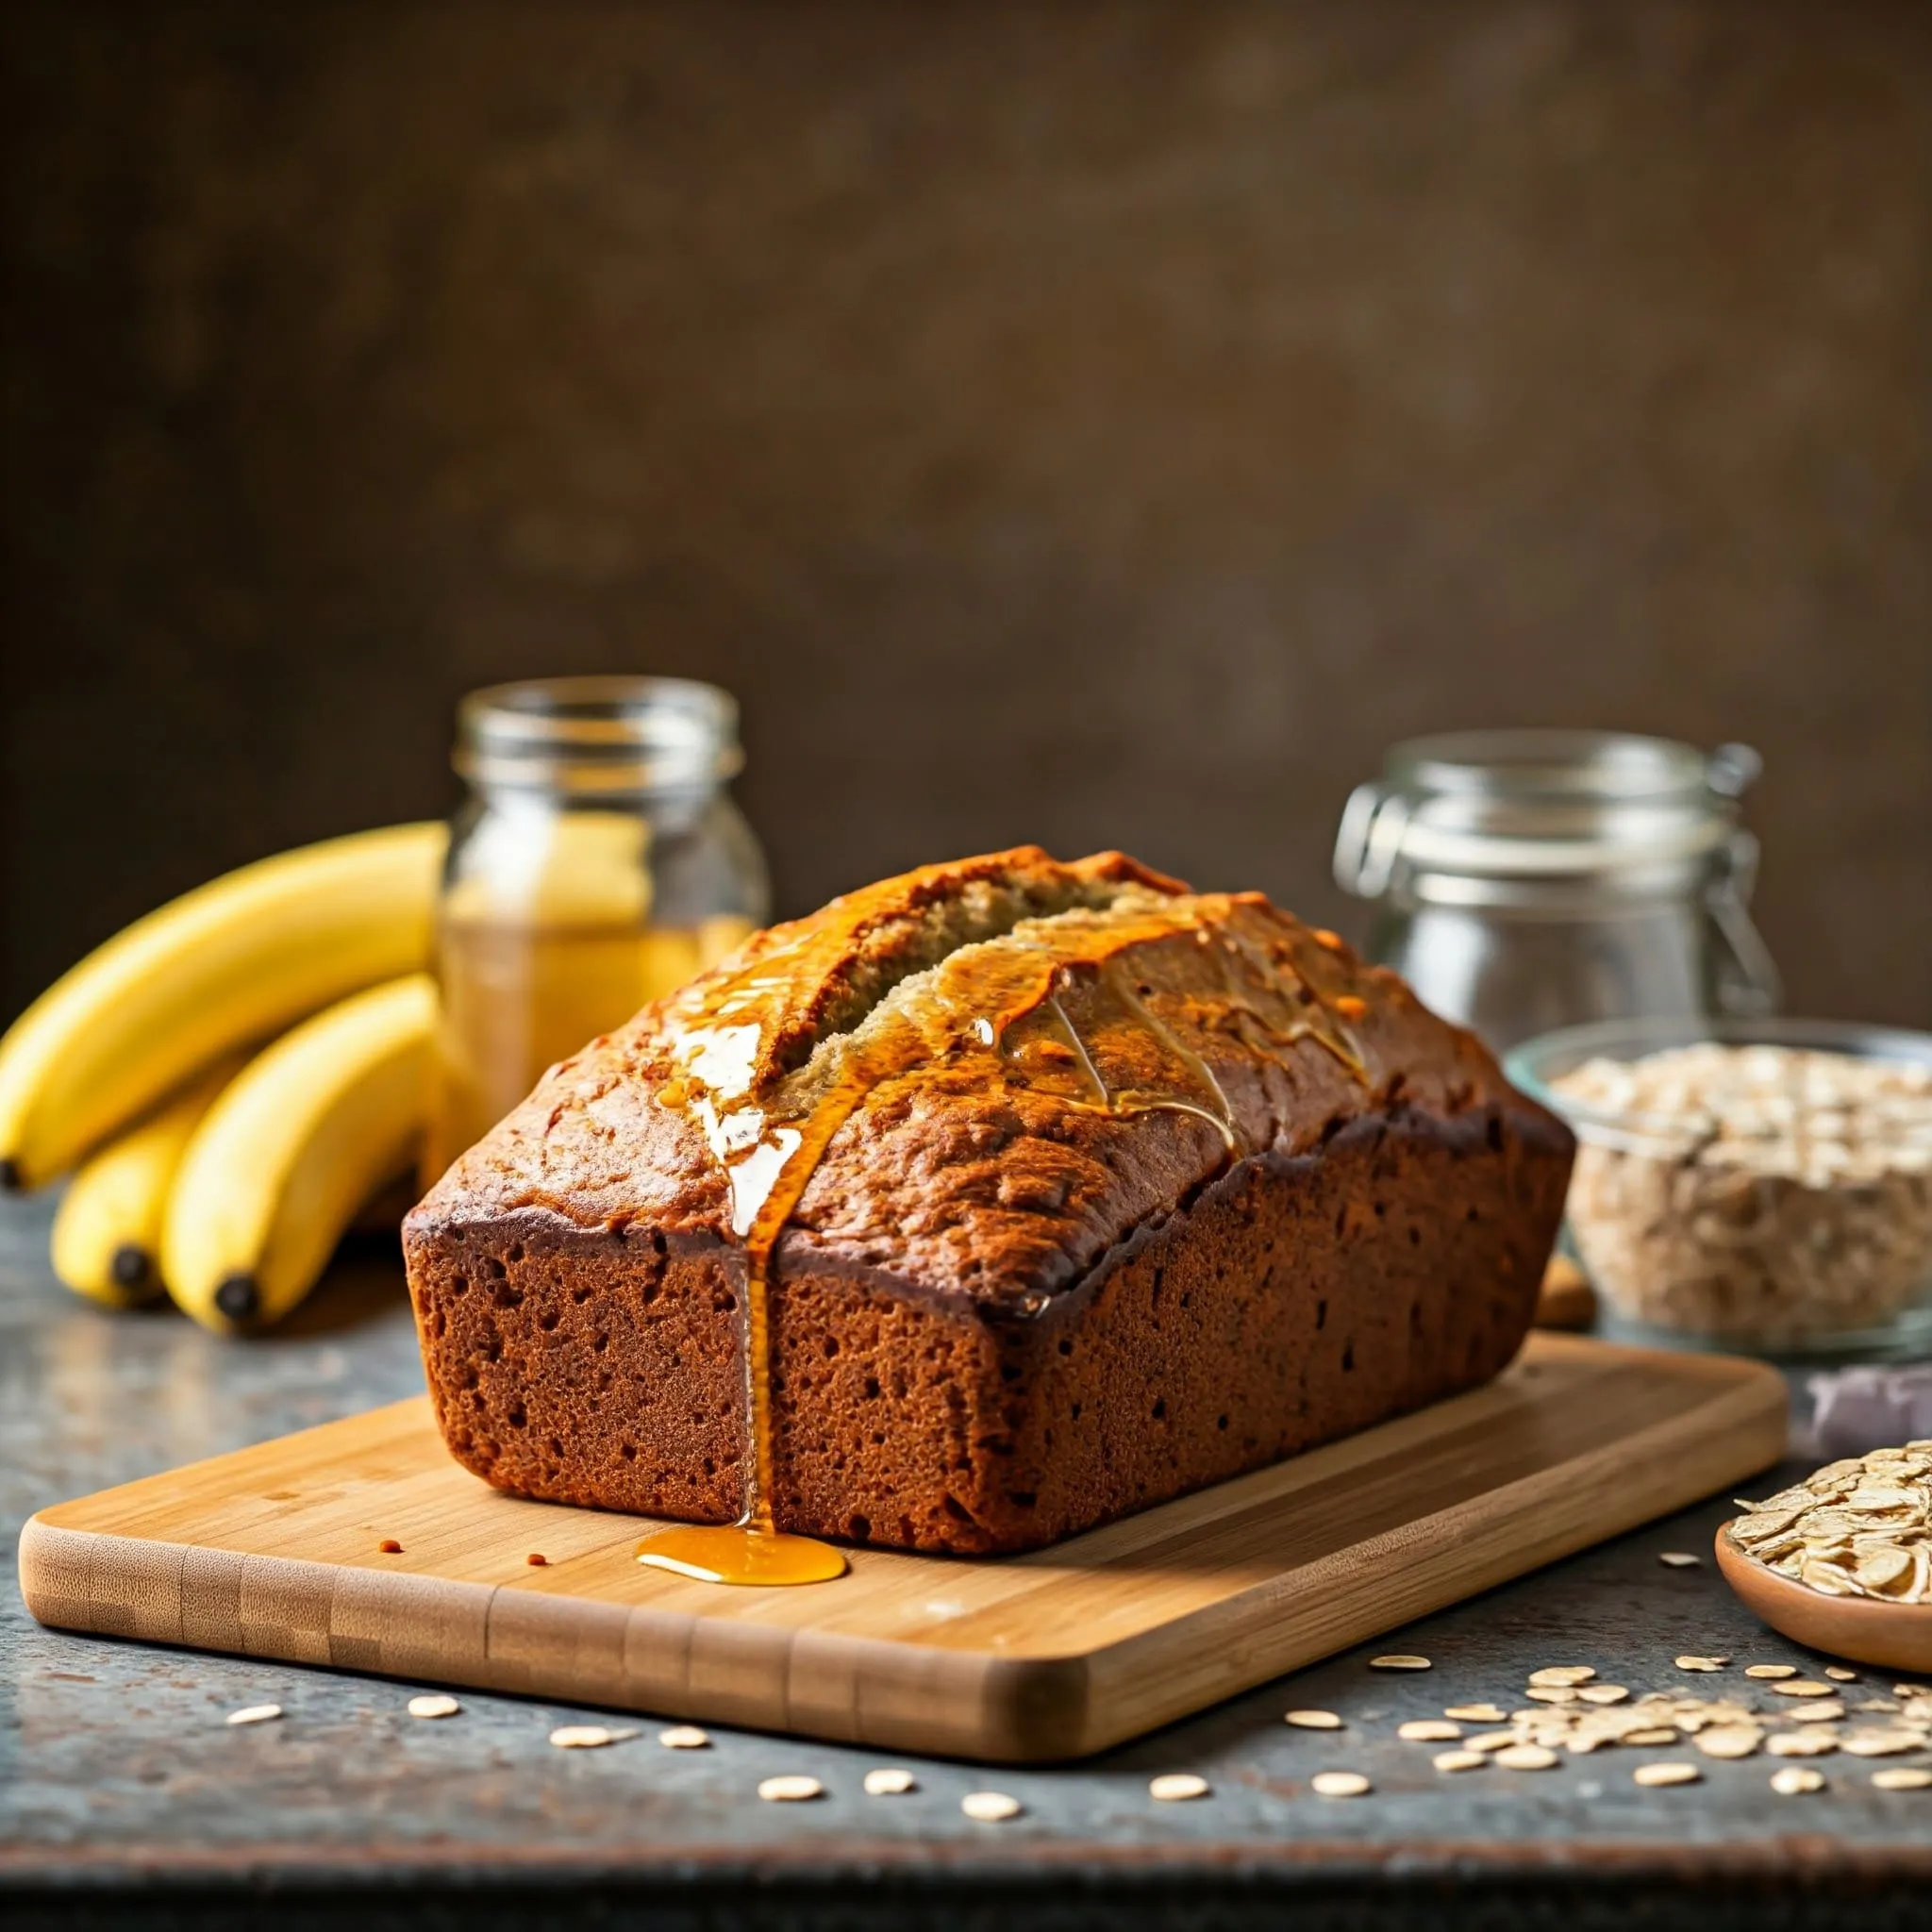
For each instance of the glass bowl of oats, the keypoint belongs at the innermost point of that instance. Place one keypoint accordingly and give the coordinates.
(1762, 1186)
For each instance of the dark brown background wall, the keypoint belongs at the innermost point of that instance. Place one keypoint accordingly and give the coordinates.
(1101, 423)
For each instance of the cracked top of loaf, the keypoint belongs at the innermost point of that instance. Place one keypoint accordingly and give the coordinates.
(977, 1079)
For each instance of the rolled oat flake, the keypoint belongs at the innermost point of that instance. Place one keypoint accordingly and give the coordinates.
(1903, 1778)
(890, 1782)
(254, 1714)
(1400, 1662)
(1339, 1784)
(1727, 1740)
(1794, 1780)
(434, 1706)
(793, 1790)
(1801, 1743)
(1881, 1743)
(1313, 1719)
(990, 1807)
(1176, 1786)
(1667, 1772)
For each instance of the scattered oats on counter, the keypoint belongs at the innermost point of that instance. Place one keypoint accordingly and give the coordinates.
(1724, 1727)
(1313, 1719)
(889, 1783)
(683, 1738)
(1859, 1527)
(254, 1714)
(1903, 1778)
(1679, 1559)
(434, 1706)
(1767, 1708)
(1767, 1194)
(1400, 1662)
(1796, 1779)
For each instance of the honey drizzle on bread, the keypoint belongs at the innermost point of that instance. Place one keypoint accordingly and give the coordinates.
(1034, 1274)
(997, 999)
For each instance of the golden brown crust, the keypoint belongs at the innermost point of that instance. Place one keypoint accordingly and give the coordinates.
(1175, 1046)
(956, 1182)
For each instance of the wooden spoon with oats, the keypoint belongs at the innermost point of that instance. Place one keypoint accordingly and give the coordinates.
(1842, 1561)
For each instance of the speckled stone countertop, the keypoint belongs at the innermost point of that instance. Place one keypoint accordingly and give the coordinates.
(123, 1796)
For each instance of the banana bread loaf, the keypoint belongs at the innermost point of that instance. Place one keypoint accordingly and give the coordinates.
(1070, 1190)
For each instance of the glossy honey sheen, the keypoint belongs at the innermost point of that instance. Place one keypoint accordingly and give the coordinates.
(735, 1553)
(1001, 1004)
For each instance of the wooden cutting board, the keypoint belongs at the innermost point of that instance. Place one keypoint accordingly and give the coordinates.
(275, 1551)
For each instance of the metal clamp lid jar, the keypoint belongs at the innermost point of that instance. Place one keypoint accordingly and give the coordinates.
(1532, 879)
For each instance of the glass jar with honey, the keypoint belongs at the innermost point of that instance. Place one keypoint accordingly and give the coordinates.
(598, 862)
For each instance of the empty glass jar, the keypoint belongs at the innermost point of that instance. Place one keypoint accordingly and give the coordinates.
(1526, 880)
(598, 862)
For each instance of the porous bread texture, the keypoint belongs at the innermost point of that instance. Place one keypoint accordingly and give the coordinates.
(998, 1317)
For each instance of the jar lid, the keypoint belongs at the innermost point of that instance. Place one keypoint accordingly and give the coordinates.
(1531, 805)
(598, 736)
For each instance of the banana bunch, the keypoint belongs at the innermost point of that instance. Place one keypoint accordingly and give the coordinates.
(230, 1078)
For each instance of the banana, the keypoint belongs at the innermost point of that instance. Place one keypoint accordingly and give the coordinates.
(292, 1148)
(223, 967)
(108, 1228)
